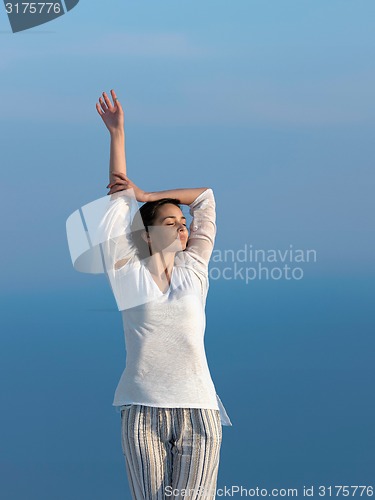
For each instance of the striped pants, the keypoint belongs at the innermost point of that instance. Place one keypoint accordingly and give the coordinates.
(171, 452)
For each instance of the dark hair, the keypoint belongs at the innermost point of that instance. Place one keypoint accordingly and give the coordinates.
(144, 218)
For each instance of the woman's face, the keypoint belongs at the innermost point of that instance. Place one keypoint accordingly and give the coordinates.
(169, 231)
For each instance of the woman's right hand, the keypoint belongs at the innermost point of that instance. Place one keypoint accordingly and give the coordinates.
(123, 182)
(112, 114)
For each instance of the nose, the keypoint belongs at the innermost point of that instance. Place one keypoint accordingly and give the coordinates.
(181, 231)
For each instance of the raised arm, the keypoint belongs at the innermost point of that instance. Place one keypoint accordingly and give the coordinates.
(185, 195)
(113, 118)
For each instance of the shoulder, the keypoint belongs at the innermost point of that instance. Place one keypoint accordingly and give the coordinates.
(205, 198)
(192, 263)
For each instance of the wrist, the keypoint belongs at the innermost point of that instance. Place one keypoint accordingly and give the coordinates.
(117, 134)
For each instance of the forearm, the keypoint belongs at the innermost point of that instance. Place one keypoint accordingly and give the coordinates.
(185, 195)
(117, 160)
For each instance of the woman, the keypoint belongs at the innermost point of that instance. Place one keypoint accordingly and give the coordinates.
(171, 416)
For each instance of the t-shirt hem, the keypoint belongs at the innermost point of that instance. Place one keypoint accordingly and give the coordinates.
(224, 418)
(164, 405)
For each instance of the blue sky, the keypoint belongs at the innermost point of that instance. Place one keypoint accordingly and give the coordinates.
(272, 105)
(269, 103)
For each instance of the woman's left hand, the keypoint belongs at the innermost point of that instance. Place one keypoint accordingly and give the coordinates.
(123, 182)
(111, 114)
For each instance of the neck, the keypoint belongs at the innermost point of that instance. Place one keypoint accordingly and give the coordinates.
(161, 264)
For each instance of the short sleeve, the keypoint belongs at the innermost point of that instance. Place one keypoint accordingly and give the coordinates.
(99, 233)
(202, 228)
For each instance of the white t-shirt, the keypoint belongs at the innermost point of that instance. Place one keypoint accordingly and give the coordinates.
(166, 364)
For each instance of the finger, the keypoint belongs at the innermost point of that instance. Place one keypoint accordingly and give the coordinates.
(107, 100)
(99, 109)
(112, 191)
(120, 174)
(119, 107)
(119, 185)
(115, 99)
(118, 182)
(103, 104)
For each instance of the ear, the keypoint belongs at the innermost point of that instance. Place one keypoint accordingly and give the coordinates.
(145, 236)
